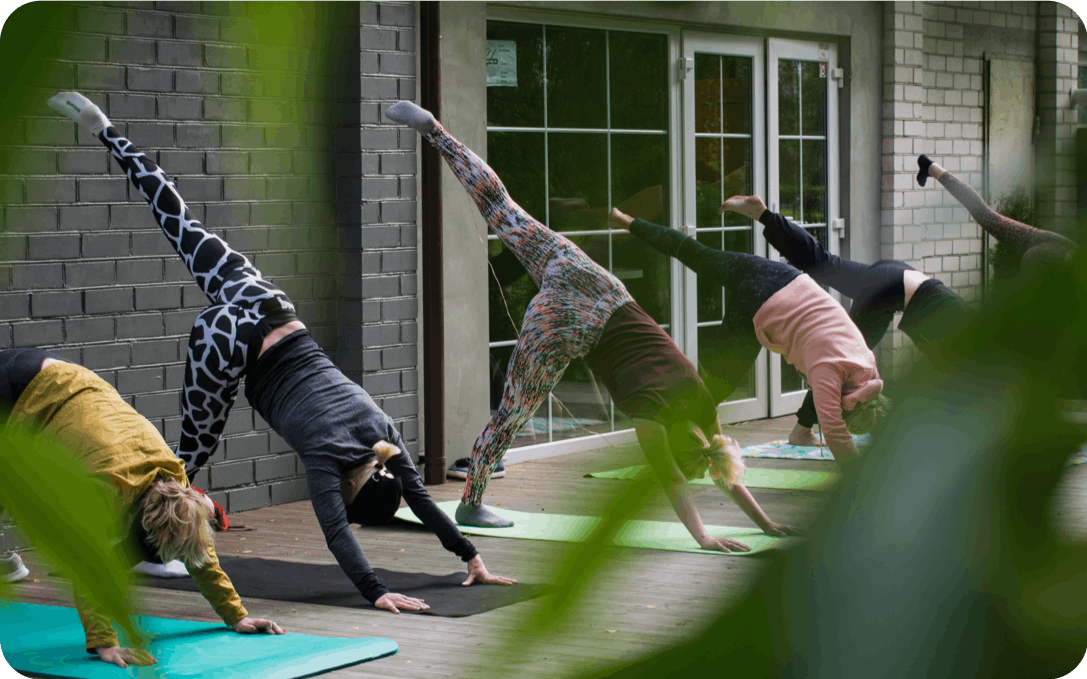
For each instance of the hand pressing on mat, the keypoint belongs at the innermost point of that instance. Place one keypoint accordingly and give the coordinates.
(477, 572)
(723, 545)
(394, 602)
(257, 626)
(780, 530)
(123, 657)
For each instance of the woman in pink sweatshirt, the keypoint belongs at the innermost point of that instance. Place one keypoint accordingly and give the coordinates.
(771, 304)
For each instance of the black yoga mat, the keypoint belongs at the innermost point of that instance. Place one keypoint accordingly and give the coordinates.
(328, 586)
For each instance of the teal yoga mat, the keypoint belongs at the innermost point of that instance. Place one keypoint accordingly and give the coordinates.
(48, 641)
(787, 479)
(664, 535)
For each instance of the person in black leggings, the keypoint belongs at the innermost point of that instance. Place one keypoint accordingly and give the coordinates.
(932, 311)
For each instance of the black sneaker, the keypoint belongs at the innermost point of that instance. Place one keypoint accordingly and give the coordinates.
(459, 469)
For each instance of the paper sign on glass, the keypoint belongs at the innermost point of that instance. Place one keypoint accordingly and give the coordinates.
(501, 63)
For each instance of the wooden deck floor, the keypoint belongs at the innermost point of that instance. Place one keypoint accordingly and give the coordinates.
(644, 599)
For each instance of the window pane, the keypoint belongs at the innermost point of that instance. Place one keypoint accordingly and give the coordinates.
(535, 430)
(581, 404)
(708, 171)
(506, 304)
(789, 178)
(736, 86)
(639, 80)
(576, 78)
(578, 179)
(736, 181)
(639, 175)
(707, 93)
(814, 98)
(518, 160)
(520, 105)
(815, 181)
(791, 379)
(740, 241)
(788, 97)
(710, 302)
(711, 351)
(646, 275)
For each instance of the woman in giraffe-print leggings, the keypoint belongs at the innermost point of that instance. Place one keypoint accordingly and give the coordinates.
(582, 310)
(1032, 244)
(357, 467)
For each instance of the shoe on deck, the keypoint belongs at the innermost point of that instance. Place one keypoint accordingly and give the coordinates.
(459, 469)
(12, 568)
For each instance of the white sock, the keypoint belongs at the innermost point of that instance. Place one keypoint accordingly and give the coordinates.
(80, 109)
(407, 113)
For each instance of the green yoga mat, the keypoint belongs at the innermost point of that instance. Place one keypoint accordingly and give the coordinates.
(664, 535)
(754, 477)
(48, 641)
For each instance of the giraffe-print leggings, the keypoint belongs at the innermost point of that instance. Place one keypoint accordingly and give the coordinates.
(219, 342)
(1020, 237)
(563, 321)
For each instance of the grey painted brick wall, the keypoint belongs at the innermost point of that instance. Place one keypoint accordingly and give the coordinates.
(267, 117)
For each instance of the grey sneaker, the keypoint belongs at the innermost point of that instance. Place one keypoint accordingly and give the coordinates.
(12, 568)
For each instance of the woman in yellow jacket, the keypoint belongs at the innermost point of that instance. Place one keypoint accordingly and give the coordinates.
(87, 416)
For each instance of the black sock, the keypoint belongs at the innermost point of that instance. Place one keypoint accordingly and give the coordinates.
(923, 162)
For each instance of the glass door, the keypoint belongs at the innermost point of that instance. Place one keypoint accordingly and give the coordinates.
(802, 99)
(723, 156)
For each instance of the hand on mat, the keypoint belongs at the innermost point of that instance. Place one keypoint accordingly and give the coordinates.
(394, 602)
(257, 625)
(724, 545)
(477, 572)
(123, 657)
(780, 530)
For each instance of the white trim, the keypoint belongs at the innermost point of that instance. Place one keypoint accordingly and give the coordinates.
(581, 444)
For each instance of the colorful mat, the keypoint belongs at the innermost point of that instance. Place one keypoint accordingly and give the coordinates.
(787, 451)
(754, 477)
(664, 535)
(48, 641)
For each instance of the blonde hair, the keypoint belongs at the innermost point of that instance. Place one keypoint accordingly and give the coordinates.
(867, 415)
(724, 463)
(176, 522)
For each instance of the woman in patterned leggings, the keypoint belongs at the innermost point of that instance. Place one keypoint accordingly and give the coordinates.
(347, 444)
(582, 310)
(1034, 245)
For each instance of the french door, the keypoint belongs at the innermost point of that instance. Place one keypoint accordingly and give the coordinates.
(759, 117)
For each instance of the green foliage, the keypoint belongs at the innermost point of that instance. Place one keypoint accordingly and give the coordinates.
(71, 517)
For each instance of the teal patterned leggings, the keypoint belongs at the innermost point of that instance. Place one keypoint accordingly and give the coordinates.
(563, 321)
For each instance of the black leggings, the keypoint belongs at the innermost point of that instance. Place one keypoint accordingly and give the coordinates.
(17, 368)
(749, 280)
(877, 289)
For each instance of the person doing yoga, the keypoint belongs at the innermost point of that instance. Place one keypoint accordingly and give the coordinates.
(1034, 246)
(582, 310)
(773, 305)
(163, 515)
(357, 466)
(932, 311)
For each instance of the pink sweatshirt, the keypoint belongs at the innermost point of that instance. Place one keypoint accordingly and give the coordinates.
(814, 333)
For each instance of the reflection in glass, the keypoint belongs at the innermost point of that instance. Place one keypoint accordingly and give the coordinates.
(576, 78)
(708, 172)
(518, 160)
(815, 180)
(789, 178)
(646, 275)
(520, 106)
(814, 96)
(711, 350)
(710, 300)
(639, 175)
(578, 180)
(509, 290)
(581, 404)
(791, 379)
(536, 429)
(788, 97)
(736, 94)
(707, 93)
(639, 80)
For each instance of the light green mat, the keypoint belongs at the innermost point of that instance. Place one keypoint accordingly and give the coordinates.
(754, 477)
(48, 641)
(664, 535)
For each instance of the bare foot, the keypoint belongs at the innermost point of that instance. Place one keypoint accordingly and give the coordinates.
(751, 207)
(803, 436)
(620, 220)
